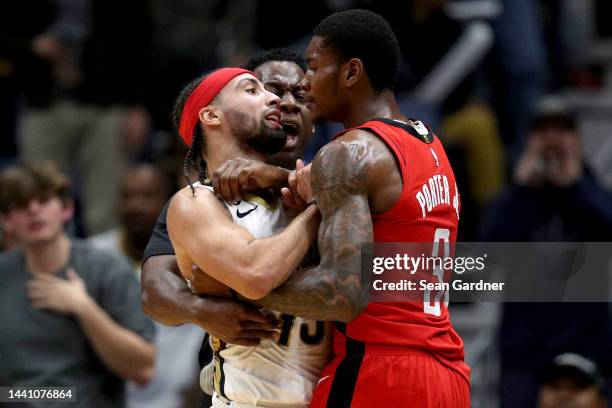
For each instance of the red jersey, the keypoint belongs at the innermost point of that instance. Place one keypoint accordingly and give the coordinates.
(427, 211)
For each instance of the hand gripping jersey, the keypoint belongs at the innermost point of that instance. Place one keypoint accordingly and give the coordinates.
(427, 211)
(280, 373)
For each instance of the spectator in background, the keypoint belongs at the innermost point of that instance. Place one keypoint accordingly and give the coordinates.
(555, 198)
(570, 31)
(571, 380)
(519, 71)
(70, 314)
(190, 37)
(20, 69)
(144, 190)
(443, 72)
(89, 68)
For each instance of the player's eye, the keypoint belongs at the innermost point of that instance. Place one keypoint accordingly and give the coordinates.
(251, 90)
(299, 95)
(274, 90)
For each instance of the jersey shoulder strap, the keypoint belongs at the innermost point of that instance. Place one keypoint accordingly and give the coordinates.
(414, 128)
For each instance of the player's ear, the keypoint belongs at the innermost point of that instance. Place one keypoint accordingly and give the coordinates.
(352, 72)
(210, 115)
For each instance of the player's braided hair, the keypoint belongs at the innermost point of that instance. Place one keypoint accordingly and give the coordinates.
(193, 158)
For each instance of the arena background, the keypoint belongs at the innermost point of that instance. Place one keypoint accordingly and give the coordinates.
(483, 74)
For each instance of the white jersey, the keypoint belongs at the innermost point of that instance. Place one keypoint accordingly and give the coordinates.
(281, 373)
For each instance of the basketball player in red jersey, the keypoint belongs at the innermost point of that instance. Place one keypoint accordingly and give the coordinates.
(370, 184)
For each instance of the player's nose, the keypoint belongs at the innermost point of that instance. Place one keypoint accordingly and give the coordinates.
(288, 103)
(272, 99)
(306, 82)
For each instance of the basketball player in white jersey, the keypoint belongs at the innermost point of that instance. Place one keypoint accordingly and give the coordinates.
(247, 246)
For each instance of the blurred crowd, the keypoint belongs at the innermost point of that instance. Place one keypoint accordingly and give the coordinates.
(519, 91)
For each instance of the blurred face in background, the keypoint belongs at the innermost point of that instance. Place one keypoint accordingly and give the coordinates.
(41, 220)
(553, 156)
(143, 193)
(557, 142)
(284, 79)
(566, 392)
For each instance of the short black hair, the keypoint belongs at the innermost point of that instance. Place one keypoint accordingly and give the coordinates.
(276, 54)
(365, 35)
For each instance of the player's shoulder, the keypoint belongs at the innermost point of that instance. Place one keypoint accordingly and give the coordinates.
(353, 144)
(199, 203)
(417, 129)
(190, 199)
(358, 146)
(354, 135)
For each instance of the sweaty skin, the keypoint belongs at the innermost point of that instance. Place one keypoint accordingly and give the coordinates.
(347, 177)
(242, 123)
(353, 177)
(165, 295)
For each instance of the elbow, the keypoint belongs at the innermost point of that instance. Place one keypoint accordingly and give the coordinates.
(258, 283)
(255, 289)
(146, 297)
(356, 302)
(143, 372)
(145, 301)
(346, 316)
(142, 376)
(350, 313)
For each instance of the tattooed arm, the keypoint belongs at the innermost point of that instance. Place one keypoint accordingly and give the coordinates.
(333, 291)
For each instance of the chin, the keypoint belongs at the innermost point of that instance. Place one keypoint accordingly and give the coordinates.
(37, 239)
(317, 120)
(319, 116)
(40, 237)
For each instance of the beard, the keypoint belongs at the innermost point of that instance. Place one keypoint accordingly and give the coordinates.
(254, 134)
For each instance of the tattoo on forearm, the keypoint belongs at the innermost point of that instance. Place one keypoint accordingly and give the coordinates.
(333, 290)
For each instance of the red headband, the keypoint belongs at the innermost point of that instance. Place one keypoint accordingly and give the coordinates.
(204, 93)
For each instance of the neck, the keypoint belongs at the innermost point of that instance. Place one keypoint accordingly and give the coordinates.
(370, 106)
(48, 257)
(220, 149)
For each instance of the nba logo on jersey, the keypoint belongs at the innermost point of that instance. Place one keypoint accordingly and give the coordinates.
(435, 156)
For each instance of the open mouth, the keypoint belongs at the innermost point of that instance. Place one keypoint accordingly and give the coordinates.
(291, 130)
(274, 117)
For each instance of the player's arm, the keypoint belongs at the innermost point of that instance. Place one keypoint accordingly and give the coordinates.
(167, 299)
(243, 175)
(165, 296)
(202, 230)
(333, 290)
